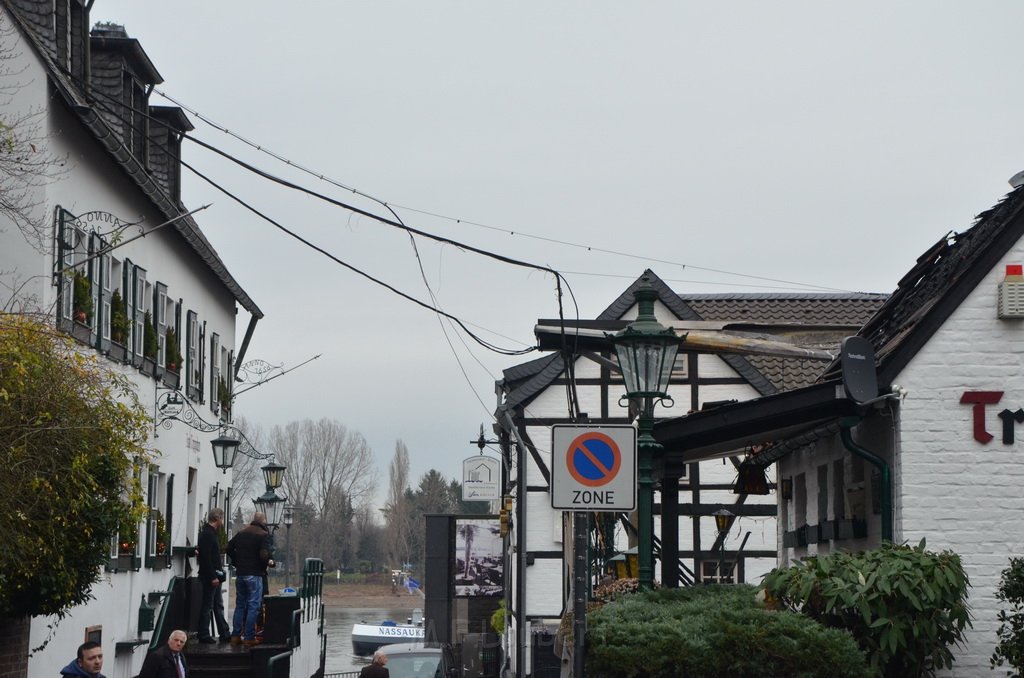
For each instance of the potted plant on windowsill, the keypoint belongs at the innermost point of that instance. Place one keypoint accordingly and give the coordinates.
(119, 326)
(173, 353)
(81, 298)
(149, 345)
(224, 398)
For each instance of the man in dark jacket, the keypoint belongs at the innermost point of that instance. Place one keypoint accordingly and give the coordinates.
(211, 576)
(87, 664)
(168, 661)
(251, 553)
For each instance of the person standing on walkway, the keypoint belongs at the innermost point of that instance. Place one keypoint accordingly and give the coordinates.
(376, 668)
(251, 553)
(87, 664)
(211, 576)
(168, 661)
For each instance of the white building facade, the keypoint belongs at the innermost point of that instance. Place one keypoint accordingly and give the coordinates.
(86, 99)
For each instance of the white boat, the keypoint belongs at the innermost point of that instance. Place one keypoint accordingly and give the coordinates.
(367, 637)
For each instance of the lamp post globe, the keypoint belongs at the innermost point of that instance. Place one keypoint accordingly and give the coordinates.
(646, 351)
(270, 505)
(273, 475)
(723, 522)
(225, 449)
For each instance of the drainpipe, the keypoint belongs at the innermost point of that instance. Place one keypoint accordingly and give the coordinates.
(883, 468)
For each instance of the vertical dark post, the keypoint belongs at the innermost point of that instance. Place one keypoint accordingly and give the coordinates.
(647, 447)
(580, 589)
(670, 529)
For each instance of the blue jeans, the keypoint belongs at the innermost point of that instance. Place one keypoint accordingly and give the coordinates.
(248, 596)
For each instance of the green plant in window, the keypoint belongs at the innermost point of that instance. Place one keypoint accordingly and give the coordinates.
(81, 298)
(173, 353)
(119, 322)
(223, 394)
(149, 344)
(163, 537)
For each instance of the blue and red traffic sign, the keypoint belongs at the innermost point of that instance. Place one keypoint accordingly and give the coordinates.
(593, 468)
(593, 459)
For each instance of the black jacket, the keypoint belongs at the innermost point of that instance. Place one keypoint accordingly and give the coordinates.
(160, 664)
(209, 553)
(250, 550)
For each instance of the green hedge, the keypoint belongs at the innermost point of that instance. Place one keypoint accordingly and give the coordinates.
(712, 631)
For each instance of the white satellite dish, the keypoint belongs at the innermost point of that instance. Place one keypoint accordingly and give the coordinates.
(1017, 179)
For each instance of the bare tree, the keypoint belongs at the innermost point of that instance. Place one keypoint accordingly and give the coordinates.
(398, 512)
(246, 475)
(330, 475)
(26, 163)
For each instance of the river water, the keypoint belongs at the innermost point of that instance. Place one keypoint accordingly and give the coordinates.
(338, 627)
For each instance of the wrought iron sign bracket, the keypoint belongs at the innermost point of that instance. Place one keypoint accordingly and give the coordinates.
(172, 406)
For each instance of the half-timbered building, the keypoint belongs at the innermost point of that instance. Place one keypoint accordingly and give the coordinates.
(752, 345)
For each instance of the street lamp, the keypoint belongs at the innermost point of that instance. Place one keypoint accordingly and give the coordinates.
(273, 475)
(646, 350)
(225, 449)
(270, 505)
(288, 518)
(723, 521)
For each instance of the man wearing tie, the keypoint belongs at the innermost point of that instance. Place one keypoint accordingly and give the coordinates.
(168, 661)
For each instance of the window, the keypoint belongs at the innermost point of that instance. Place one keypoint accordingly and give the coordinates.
(822, 493)
(838, 489)
(193, 373)
(106, 283)
(215, 372)
(160, 323)
(138, 310)
(709, 571)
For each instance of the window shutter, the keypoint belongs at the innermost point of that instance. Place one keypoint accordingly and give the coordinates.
(169, 513)
(192, 371)
(160, 322)
(202, 360)
(65, 259)
(104, 307)
(214, 372)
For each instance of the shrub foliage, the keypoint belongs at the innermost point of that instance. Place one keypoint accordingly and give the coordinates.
(1010, 649)
(70, 434)
(712, 631)
(905, 606)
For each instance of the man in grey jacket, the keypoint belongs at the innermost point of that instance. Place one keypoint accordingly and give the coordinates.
(250, 551)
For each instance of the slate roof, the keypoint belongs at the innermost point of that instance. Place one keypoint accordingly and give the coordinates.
(810, 320)
(940, 280)
(35, 26)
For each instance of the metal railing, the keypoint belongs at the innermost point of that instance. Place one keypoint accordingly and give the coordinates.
(279, 666)
(343, 674)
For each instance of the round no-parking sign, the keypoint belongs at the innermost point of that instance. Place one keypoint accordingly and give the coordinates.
(593, 468)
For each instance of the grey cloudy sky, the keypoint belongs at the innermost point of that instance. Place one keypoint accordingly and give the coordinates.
(826, 144)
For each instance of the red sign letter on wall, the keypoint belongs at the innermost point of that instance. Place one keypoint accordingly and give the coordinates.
(979, 399)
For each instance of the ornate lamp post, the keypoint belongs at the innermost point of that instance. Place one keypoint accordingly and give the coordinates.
(723, 521)
(646, 350)
(288, 518)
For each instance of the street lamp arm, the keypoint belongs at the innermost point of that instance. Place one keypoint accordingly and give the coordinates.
(171, 406)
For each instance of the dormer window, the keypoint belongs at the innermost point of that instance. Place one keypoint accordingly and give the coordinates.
(71, 37)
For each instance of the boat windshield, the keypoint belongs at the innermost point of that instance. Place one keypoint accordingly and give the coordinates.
(415, 666)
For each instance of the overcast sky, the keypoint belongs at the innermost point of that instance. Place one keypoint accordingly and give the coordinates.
(826, 145)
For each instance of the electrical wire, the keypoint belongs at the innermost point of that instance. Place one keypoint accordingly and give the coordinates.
(278, 225)
(590, 248)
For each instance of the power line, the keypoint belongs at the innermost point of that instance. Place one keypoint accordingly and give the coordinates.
(278, 225)
(512, 232)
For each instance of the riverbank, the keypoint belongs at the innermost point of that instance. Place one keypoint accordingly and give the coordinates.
(344, 596)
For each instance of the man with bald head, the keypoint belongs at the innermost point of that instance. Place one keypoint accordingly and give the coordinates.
(251, 553)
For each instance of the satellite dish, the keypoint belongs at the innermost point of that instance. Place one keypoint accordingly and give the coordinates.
(1017, 179)
(857, 356)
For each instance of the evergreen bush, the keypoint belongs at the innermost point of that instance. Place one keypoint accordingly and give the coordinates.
(905, 606)
(712, 631)
(1011, 624)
